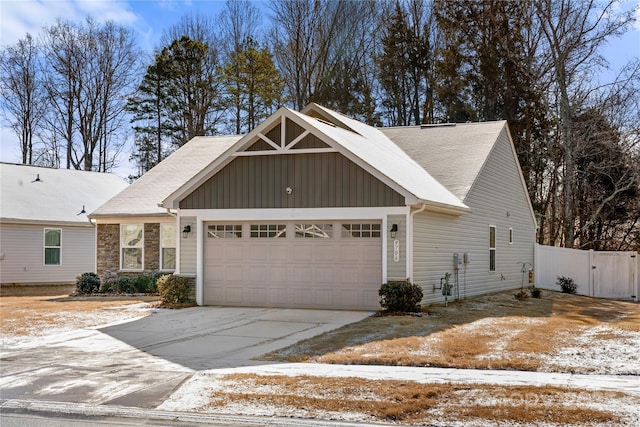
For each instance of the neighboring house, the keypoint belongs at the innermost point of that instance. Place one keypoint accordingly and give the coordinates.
(313, 209)
(45, 235)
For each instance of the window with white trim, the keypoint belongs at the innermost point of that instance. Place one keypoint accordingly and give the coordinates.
(511, 236)
(131, 246)
(268, 230)
(52, 246)
(492, 248)
(224, 231)
(168, 246)
(314, 231)
(366, 230)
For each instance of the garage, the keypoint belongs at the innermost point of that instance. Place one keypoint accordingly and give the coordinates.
(311, 264)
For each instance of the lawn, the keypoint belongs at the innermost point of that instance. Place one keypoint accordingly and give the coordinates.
(22, 317)
(557, 333)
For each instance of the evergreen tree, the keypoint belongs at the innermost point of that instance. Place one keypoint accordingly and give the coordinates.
(253, 84)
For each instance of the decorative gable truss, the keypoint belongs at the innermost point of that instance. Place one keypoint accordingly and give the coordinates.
(287, 137)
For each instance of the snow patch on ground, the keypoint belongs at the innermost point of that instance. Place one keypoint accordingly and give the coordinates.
(600, 350)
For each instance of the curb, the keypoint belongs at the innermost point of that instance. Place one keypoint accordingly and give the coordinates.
(33, 407)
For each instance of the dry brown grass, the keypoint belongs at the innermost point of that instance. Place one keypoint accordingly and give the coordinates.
(26, 315)
(412, 402)
(488, 332)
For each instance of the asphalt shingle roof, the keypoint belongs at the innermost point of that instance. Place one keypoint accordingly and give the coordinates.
(57, 196)
(142, 197)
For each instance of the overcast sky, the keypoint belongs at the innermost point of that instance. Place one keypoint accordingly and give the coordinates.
(150, 18)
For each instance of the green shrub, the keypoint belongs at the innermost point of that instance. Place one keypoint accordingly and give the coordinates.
(141, 284)
(400, 296)
(535, 292)
(125, 286)
(109, 286)
(87, 283)
(174, 289)
(567, 284)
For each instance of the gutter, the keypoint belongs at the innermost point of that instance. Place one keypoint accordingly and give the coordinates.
(410, 240)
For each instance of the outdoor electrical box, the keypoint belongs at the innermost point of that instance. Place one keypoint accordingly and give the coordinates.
(467, 260)
(456, 261)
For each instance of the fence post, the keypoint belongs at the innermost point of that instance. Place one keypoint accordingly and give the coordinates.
(592, 274)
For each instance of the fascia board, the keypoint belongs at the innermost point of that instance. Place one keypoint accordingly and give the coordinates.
(18, 221)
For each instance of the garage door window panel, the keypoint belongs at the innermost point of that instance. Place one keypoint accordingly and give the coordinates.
(314, 231)
(268, 231)
(224, 231)
(361, 230)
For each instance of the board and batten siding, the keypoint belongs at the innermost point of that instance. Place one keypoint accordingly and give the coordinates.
(397, 270)
(497, 198)
(316, 180)
(23, 248)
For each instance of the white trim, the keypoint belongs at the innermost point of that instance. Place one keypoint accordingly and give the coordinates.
(268, 140)
(293, 214)
(161, 263)
(44, 247)
(120, 247)
(200, 261)
(297, 139)
(384, 235)
(285, 151)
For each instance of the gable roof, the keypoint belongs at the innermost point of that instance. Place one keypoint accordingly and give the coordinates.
(143, 196)
(56, 197)
(454, 154)
(363, 144)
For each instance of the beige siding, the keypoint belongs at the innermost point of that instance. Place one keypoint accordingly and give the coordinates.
(397, 270)
(317, 180)
(23, 249)
(188, 246)
(496, 198)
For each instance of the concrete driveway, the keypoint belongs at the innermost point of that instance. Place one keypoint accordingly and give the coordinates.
(140, 363)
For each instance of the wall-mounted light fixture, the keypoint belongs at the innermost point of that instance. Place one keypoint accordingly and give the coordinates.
(394, 230)
(185, 231)
(82, 211)
(37, 178)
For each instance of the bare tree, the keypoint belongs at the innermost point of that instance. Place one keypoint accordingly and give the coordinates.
(22, 92)
(318, 43)
(574, 31)
(90, 69)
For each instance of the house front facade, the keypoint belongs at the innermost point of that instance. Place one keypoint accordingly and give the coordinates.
(315, 210)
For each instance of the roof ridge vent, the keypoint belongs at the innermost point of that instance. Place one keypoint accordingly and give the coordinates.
(437, 125)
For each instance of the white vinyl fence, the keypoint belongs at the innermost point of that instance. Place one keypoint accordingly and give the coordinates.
(597, 273)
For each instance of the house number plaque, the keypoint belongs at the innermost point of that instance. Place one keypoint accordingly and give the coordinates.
(396, 250)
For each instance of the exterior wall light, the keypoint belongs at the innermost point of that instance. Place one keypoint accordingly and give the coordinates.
(394, 230)
(185, 231)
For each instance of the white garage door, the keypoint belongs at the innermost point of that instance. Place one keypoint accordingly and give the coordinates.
(336, 265)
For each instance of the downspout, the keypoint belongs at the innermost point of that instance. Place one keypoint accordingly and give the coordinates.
(410, 241)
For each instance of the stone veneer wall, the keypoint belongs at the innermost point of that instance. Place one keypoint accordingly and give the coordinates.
(108, 248)
(108, 253)
(152, 246)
